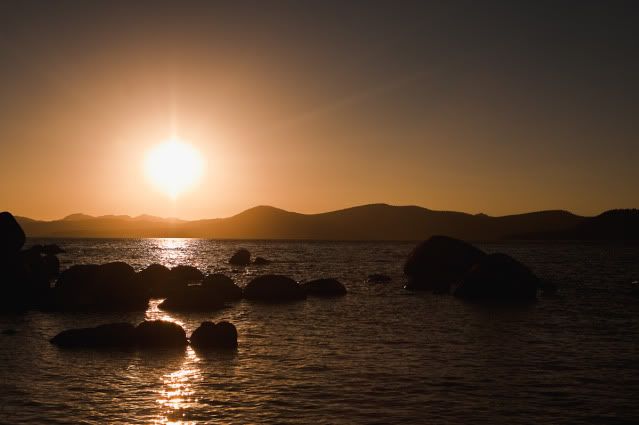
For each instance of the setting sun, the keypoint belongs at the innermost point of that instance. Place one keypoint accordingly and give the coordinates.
(174, 167)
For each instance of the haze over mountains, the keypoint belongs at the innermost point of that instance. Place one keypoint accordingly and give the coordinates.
(366, 222)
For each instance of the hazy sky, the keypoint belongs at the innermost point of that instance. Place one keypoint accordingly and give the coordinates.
(495, 107)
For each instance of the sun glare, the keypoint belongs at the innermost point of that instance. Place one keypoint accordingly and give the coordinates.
(173, 167)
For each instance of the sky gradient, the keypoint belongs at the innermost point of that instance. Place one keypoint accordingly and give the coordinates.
(498, 107)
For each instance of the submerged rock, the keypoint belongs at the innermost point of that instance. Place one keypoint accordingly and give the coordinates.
(324, 288)
(440, 262)
(12, 236)
(242, 257)
(211, 335)
(192, 298)
(274, 288)
(222, 287)
(148, 334)
(260, 261)
(498, 277)
(378, 278)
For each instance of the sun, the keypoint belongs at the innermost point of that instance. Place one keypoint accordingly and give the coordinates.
(174, 167)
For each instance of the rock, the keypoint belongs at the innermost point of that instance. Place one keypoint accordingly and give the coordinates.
(242, 257)
(159, 333)
(106, 287)
(12, 236)
(498, 277)
(324, 288)
(52, 249)
(211, 335)
(274, 288)
(192, 298)
(222, 287)
(440, 262)
(378, 278)
(148, 334)
(157, 280)
(186, 274)
(9, 332)
(260, 261)
(110, 335)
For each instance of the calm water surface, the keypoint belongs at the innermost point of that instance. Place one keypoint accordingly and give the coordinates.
(378, 355)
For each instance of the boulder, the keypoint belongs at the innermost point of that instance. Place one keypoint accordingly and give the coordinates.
(12, 236)
(159, 333)
(274, 288)
(378, 278)
(260, 261)
(157, 280)
(242, 257)
(324, 288)
(440, 262)
(103, 336)
(222, 287)
(211, 335)
(186, 274)
(498, 277)
(106, 287)
(192, 298)
(148, 334)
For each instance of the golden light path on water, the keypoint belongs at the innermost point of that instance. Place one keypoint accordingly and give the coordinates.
(177, 394)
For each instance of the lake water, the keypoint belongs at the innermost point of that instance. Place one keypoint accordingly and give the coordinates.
(378, 355)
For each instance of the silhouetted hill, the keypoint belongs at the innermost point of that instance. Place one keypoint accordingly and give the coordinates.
(366, 222)
(620, 224)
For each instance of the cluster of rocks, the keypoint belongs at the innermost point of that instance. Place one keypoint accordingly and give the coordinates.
(242, 257)
(446, 265)
(148, 334)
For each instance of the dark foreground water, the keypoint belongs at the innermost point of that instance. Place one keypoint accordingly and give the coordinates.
(378, 355)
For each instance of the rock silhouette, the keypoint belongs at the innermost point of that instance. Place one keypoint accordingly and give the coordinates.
(157, 280)
(440, 262)
(242, 257)
(260, 261)
(186, 274)
(211, 335)
(324, 288)
(222, 287)
(193, 298)
(105, 287)
(274, 288)
(148, 334)
(12, 236)
(498, 277)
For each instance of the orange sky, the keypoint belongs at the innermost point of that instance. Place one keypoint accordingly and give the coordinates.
(338, 107)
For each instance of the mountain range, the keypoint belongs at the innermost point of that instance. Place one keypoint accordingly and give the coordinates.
(366, 222)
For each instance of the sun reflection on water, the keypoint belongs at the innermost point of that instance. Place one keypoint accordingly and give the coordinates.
(174, 251)
(177, 397)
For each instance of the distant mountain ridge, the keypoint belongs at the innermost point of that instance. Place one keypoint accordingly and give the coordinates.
(365, 222)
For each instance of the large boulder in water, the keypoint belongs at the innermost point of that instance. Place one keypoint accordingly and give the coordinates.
(12, 236)
(212, 335)
(324, 288)
(222, 287)
(103, 336)
(105, 287)
(440, 262)
(157, 280)
(160, 333)
(498, 277)
(274, 288)
(186, 274)
(242, 257)
(148, 334)
(192, 298)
